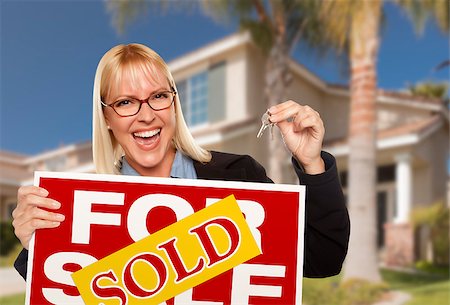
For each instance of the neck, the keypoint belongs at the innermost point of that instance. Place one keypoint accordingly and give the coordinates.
(162, 169)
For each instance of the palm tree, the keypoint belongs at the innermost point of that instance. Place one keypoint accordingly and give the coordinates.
(275, 27)
(359, 21)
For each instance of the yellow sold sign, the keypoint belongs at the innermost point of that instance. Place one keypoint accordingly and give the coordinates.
(172, 260)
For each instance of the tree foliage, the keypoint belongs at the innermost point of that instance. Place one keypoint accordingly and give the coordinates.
(429, 89)
(420, 11)
(436, 218)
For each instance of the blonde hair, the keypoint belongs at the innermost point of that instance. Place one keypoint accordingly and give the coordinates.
(134, 60)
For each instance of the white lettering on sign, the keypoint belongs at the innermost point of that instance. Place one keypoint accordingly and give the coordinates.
(54, 270)
(83, 216)
(137, 215)
(242, 277)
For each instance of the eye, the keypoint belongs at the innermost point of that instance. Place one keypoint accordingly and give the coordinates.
(124, 103)
(160, 95)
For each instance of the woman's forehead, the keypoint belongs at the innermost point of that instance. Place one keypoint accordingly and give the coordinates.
(138, 80)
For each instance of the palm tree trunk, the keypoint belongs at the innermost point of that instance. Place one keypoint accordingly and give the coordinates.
(362, 258)
(277, 78)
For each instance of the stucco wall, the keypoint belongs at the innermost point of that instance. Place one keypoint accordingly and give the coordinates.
(304, 93)
(421, 188)
(431, 175)
(439, 150)
(236, 85)
(335, 114)
(394, 115)
(256, 99)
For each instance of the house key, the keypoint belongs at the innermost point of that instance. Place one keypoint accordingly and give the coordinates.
(265, 123)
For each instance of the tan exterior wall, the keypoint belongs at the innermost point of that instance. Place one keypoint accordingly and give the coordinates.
(305, 93)
(256, 100)
(438, 148)
(421, 186)
(335, 114)
(394, 115)
(432, 152)
(236, 85)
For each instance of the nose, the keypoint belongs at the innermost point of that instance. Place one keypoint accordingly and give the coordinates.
(146, 113)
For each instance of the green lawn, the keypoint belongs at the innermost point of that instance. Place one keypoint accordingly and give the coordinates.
(13, 300)
(424, 289)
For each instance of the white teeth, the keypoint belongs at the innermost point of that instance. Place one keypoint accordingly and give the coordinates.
(147, 134)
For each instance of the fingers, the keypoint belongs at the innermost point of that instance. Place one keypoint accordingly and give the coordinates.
(34, 213)
(309, 120)
(25, 230)
(31, 214)
(284, 111)
(31, 189)
(301, 116)
(33, 195)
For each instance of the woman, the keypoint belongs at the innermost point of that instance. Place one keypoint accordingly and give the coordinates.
(139, 129)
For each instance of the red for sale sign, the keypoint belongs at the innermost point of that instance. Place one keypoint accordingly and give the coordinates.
(107, 213)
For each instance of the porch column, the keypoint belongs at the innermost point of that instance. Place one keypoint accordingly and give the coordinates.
(403, 183)
(399, 235)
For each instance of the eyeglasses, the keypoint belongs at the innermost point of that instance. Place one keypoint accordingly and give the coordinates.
(131, 106)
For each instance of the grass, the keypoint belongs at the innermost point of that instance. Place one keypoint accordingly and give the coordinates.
(8, 260)
(18, 299)
(429, 289)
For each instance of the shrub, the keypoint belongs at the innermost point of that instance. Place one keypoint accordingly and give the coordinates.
(436, 218)
(350, 292)
(359, 292)
(7, 238)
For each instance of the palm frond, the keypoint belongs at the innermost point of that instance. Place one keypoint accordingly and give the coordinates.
(420, 11)
(227, 11)
(125, 12)
(261, 34)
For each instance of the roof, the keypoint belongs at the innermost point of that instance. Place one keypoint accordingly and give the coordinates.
(405, 134)
(395, 97)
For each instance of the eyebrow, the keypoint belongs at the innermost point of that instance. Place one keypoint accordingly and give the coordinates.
(161, 89)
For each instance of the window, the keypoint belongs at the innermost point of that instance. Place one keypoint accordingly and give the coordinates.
(57, 163)
(203, 95)
(193, 94)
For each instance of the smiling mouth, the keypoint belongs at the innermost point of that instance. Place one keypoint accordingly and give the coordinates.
(147, 137)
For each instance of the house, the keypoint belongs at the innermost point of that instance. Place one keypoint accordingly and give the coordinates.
(221, 88)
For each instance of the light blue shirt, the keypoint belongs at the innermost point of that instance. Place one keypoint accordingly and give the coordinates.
(182, 167)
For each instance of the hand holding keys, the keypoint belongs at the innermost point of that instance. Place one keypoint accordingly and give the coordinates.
(265, 120)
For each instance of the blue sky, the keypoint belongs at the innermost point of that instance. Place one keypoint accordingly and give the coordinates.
(50, 50)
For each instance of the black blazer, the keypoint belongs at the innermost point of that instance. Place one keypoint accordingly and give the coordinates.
(327, 227)
(327, 223)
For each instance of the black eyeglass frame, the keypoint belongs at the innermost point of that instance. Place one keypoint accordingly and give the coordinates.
(146, 101)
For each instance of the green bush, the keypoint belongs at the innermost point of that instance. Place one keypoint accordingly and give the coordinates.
(436, 218)
(359, 292)
(350, 292)
(8, 240)
(432, 269)
(328, 293)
